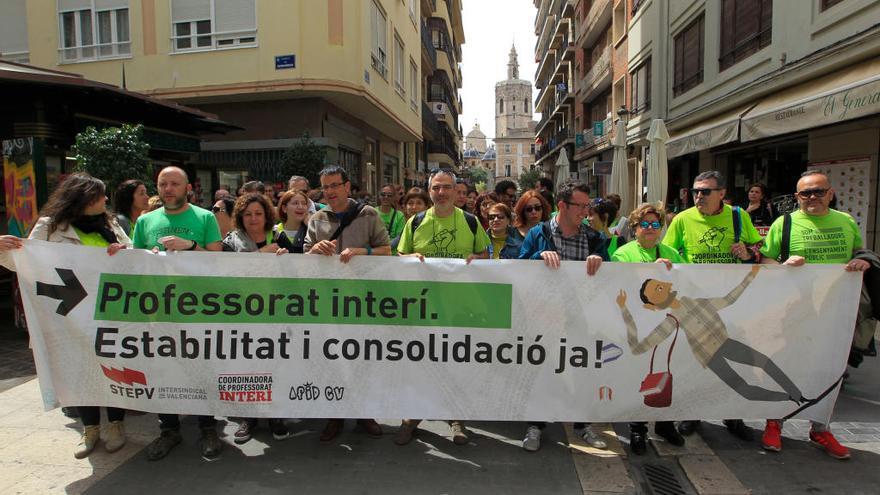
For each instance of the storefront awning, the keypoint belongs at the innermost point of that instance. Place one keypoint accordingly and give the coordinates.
(721, 129)
(849, 93)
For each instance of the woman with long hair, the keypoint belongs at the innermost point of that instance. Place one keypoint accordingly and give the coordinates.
(293, 212)
(759, 207)
(602, 214)
(481, 207)
(254, 220)
(76, 213)
(530, 210)
(129, 202)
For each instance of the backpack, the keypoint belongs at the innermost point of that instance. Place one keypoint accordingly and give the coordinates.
(470, 219)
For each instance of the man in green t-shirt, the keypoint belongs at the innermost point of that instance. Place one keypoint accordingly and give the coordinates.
(444, 231)
(705, 233)
(178, 226)
(391, 216)
(818, 235)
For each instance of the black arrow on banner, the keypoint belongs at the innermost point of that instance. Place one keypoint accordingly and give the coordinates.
(70, 294)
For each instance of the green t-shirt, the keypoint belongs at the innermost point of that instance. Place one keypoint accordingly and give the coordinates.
(707, 238)
(393, 221)
(830, 238)
(195, 224)
(633, 252)
(448, 237)
(93, 239)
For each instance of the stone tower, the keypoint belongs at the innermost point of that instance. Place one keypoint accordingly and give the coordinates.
(513, 100)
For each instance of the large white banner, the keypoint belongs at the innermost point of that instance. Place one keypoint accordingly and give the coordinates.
(307, 336)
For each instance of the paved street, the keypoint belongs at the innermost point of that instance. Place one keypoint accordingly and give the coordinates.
(36, 456)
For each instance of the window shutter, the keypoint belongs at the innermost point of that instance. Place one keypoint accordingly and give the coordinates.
(111, 4)
(190, 10)
(234, 15)
(748, 19)
(13, 32)
(74, 5)
(728, 29)
(678, 74)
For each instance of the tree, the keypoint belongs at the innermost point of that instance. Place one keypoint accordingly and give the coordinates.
(528, 179)
(305, 158)
(114, 155)
(477, 175)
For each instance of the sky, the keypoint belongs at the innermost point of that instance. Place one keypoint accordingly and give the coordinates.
(490, 26)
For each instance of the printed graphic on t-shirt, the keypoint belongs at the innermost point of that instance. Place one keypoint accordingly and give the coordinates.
(440, 243)
(826, 244)
(713, 237)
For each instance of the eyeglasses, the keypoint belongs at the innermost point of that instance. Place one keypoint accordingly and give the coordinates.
(531, 208)
(330, 187)
(705, 191)
(387, 195)
(582, 206)
(650, 225)
(442, 187)
(491, 217)
(808, 193)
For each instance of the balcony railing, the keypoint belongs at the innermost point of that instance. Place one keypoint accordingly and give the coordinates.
(597, 71)
(429, 45)
(556, 140)
(592, 17)
(429, 120)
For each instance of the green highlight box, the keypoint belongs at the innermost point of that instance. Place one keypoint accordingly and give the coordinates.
(247, 300)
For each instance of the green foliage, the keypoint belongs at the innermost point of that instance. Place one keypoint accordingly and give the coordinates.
(478, 174)
(114, 155)
(305, 158)
(528, 179)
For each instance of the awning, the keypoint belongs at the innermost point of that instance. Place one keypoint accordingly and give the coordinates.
(718, 130)
(849, 93)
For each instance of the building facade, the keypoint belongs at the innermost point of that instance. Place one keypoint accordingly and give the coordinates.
(514, 127)
(760, 90)
(351, 75)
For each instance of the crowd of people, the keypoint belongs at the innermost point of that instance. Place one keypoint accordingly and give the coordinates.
(544, 223)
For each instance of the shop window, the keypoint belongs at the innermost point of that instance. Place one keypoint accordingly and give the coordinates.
(688, 45)
(641, 87)
(213, 24)
(93, 30)
(746, 27)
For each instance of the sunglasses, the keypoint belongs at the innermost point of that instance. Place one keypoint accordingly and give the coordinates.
(650, 225)
(495, 217)
(215, 209)
(531, 208)
(387, 195)
(705, 192)
(808, 193)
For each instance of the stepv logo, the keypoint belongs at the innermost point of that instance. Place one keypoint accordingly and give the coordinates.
(127, 379)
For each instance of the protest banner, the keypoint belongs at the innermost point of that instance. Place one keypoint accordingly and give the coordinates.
(259, 335)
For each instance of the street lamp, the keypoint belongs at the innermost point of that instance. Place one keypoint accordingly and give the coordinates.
(623, 114)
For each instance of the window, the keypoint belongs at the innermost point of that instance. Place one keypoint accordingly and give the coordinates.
(378, 28)
(413, 85)
(213, 24)
(501, 105)
(507, 168)
(641, 88)
(688, 45)
(93, 29)
(746, 27)
(526, 105)
(532, 149)
(507, 148)
(13, 31)
(827, 4)
(412, 10)
(399, 69)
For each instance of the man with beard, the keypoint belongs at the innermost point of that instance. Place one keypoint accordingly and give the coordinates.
(707, 233)
(178, 226)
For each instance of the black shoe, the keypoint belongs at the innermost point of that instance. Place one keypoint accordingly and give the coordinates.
(666, 429)
(245, 430)
(279, 429)
(637, 442)
(737, 428)
(687, 428)
(70, 412)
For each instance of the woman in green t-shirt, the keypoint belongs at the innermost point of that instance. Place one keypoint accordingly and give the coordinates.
(647, 222)
(76, 213)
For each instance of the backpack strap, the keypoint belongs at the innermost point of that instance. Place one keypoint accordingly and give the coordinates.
(548, 235)
(347, 218)
(416, 221)
(785, 248)
(737, 224)
(472, 223)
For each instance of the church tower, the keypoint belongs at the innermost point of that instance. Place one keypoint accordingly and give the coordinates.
(513, 100)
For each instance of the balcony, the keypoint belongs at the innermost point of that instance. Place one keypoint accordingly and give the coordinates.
(444, 144)
(597, 20)
(592, 139)
(443, 107)
(598, 78)
(429, 123)
(428, 46)
(557, 140)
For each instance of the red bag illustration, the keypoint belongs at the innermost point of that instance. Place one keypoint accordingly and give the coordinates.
(657, 387)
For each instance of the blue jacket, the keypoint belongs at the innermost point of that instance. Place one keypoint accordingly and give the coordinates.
(510, 251)
(538, 240)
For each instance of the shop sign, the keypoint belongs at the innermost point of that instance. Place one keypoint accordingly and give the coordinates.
(602, 168)
(598, 128)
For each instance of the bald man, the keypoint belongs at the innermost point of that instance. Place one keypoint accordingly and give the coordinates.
(178, 226)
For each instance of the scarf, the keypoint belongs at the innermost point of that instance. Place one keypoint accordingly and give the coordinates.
(96, 223)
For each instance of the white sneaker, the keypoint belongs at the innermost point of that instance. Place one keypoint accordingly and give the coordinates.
(591, 437)
(532, 442)
(115, 438)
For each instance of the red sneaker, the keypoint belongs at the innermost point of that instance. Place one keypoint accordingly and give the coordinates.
(772, 439)
(826, 440)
